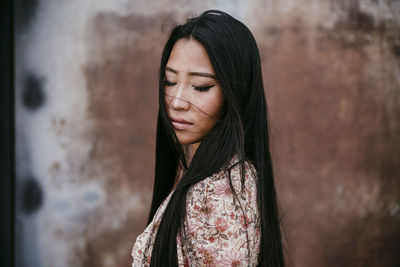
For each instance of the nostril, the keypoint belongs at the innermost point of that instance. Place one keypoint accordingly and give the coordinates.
(179, 103)
(176, 104)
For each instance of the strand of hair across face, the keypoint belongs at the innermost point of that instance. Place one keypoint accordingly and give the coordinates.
(202, 111)
(205, 113)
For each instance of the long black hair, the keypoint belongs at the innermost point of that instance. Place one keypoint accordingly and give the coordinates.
(242, 130)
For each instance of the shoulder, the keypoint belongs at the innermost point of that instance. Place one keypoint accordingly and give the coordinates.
(222, 224)
(241, 175)
(215, 192)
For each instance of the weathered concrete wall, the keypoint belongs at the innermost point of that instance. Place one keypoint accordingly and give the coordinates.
(333, 80)
(86, 116)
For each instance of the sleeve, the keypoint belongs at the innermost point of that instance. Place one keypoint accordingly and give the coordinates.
(222, 229)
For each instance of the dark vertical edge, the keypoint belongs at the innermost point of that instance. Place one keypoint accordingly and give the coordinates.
(7, 134)
(12, 131)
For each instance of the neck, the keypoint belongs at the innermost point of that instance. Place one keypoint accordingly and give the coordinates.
(189, 151)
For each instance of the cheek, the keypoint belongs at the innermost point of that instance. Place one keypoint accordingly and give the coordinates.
(211, 107)
(215, 105)
(168, 100)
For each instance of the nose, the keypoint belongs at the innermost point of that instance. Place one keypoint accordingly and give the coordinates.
(179, 101)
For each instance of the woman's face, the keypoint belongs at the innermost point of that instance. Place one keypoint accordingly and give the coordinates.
(193, 96)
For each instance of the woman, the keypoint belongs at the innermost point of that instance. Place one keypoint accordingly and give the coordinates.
(214, 198)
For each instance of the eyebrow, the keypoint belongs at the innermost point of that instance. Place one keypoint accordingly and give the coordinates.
(193, 73)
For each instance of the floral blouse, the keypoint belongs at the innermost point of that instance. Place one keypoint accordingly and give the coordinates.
(221, 229)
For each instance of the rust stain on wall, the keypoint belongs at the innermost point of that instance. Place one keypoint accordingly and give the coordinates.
(122, 81)
(334, 101)
(334, 98)
(332, 76)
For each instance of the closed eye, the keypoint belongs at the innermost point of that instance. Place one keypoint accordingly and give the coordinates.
(202, 88)
(168, 83)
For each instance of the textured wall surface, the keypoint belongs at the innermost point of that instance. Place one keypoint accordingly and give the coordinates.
(86, 77)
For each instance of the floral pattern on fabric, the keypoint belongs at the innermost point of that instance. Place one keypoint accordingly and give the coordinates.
(220, 228)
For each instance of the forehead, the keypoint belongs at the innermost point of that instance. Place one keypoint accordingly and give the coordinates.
(189, 55)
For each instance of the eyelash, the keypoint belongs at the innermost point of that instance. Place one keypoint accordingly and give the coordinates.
(197, 88)
(203, 88)
(167, 83)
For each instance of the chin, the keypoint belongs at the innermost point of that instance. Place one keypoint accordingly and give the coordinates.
(187, 141)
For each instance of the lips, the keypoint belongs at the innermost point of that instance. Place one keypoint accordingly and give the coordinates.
(179, 123)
